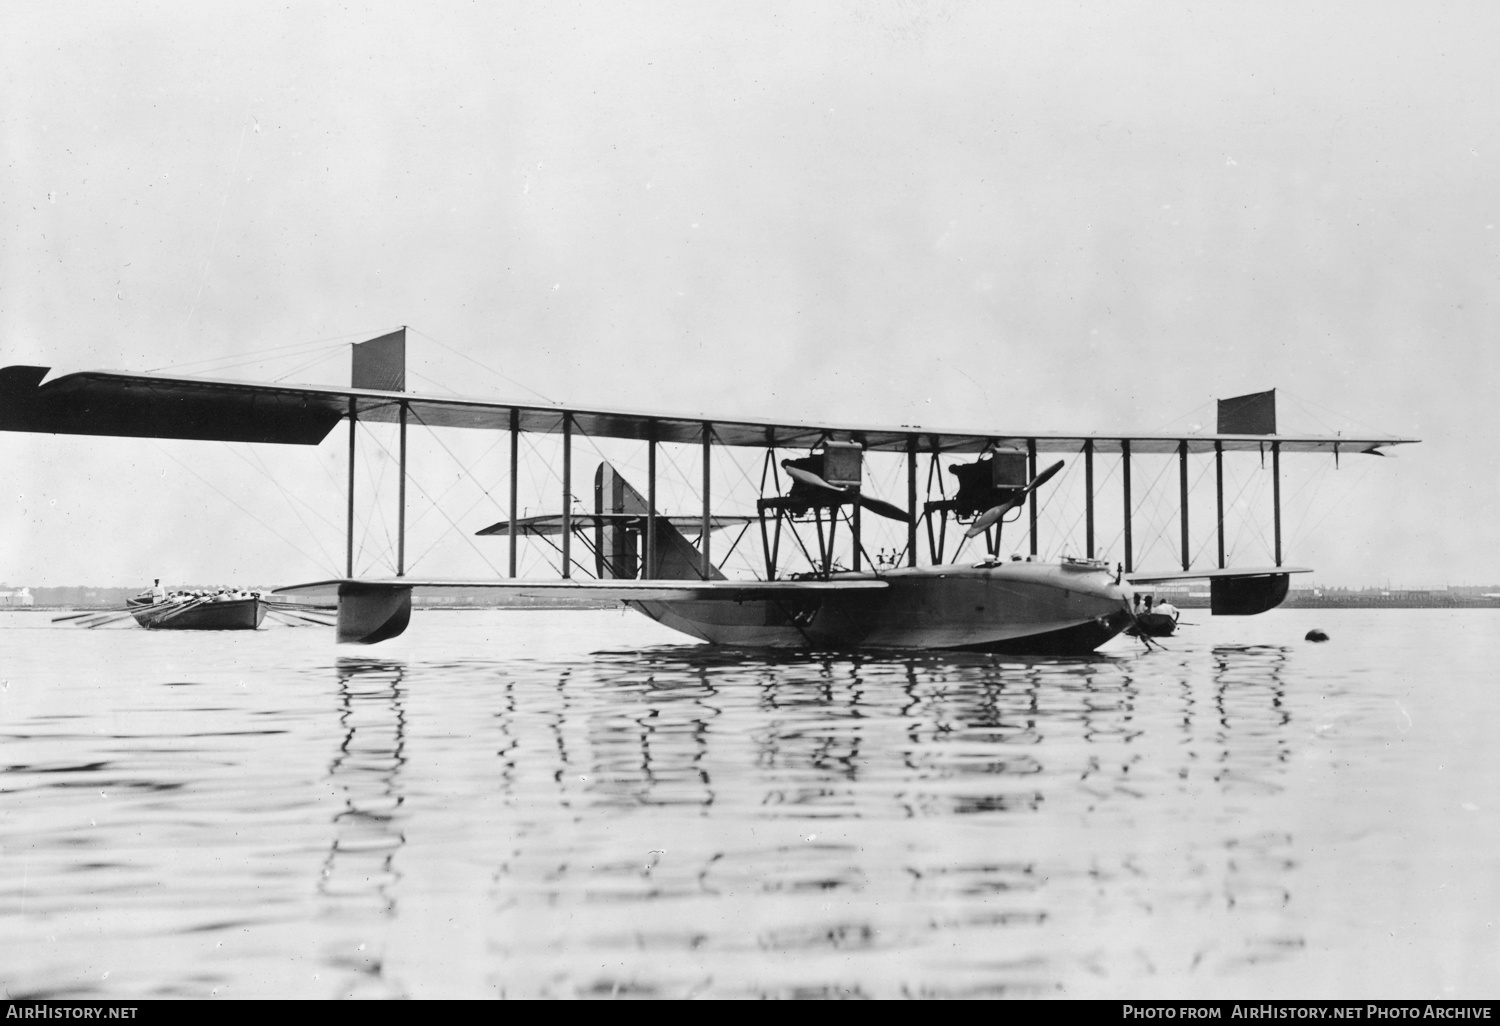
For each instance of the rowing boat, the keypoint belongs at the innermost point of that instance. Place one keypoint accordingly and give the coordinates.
(199, 614)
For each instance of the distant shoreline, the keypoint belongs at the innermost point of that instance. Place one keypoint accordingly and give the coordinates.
(1295, 601)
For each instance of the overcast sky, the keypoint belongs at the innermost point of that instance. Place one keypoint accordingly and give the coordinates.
(1081, 217)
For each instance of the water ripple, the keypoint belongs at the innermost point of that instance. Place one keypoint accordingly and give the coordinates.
(254, 816)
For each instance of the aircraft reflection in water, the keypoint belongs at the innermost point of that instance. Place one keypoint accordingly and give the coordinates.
(667, 813)
(1250, 702)
(359, 879)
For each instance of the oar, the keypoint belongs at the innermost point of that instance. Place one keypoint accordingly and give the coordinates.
(994, 513)
(284, 614)
(288, 618)
(97, 612)
(155, 607)
(115, 616)
(315, 613)
(108, 612)
(876, 506)
(283, 604)
(300, 621)
(81, 616)
(100, 618)
(106, 621)
(1144, 636)
(189, 604)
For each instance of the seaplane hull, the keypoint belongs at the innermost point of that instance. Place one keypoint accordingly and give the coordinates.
(1023, 608)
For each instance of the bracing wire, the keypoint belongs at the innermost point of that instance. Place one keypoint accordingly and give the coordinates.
(1149, 531)
(1307, 403)
(377, 515)
(376, 481)
(486, 493)
(1166, 424)
(256, 352)
(1303, 502)
(725, 453)
(482, 366)
(309, 364)
(1232, 546)
(460, 532)
(468, 473)
(1363, 473)
(298, 549)
(259, 466)
(432, 432)
(1198, 554)
(436, 384)
(457, 530)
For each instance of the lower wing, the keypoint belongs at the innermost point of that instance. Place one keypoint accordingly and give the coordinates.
(1236, 592)
(374, 609)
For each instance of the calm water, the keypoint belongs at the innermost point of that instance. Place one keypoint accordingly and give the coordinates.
(579, 804)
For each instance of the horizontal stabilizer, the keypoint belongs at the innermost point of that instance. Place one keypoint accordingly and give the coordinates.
(552, 523)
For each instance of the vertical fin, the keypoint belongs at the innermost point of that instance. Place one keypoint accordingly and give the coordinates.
(616, 547)
(677, 559)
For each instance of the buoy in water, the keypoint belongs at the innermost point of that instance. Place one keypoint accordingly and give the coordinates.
(1316, 635)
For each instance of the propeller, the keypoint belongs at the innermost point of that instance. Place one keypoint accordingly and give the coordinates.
(876, 506)
(994, 513)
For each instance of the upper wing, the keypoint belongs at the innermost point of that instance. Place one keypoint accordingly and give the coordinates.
(145, 405)
(142, 406)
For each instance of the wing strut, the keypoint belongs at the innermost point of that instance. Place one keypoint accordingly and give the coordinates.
(349, 539)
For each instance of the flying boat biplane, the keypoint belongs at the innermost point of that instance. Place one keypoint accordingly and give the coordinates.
(812, 487)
